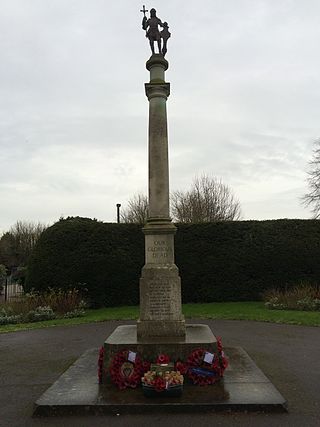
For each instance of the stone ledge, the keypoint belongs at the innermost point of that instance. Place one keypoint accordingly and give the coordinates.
(77, 392)
(125, 338)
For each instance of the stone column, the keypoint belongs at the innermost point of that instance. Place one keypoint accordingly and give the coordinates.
(160, 285)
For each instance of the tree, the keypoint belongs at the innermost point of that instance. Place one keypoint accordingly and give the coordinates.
(208, 200)
(136, 210)
(17, 244)
(313, 197)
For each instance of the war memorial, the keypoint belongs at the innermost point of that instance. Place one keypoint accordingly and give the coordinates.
(161, 363)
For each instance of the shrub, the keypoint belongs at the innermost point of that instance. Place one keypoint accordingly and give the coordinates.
(78, 312)
(7, 316)
(37, 306)
(303, 297)
(61, 301)
(107, 258)
(39, 314)
(221, 261)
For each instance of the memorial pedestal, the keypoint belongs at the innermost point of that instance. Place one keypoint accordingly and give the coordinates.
(125, 338)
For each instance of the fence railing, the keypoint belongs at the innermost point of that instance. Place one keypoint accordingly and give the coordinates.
(11, 290)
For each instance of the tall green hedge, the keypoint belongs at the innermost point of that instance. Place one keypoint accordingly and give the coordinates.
(222, 261)
(104, 258)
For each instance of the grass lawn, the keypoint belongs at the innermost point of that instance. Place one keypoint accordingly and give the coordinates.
(224, 310)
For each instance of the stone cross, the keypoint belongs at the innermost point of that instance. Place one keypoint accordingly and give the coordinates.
(144, 10)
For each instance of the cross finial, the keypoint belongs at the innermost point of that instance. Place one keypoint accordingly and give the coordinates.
(144, 10)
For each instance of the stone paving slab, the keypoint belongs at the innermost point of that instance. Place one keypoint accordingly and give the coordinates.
(244, 388)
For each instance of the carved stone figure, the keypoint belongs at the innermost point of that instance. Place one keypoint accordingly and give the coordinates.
(165, 34)
(151, 26)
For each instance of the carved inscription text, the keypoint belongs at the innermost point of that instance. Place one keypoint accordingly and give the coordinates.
(159, 297)
(160, 249)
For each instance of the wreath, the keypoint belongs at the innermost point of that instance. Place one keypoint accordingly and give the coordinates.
(181, 367)
(222, 358)
(201, 367)
(126, 371)
(206, 368)
(200, 372)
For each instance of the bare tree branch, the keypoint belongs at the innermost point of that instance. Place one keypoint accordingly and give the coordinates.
(136, 210)
(17, 244)
(208, 200)
(312, 198)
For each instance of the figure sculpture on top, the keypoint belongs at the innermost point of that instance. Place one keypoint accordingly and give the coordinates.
(151, 26)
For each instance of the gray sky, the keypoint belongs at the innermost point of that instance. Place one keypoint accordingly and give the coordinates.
(244, 103)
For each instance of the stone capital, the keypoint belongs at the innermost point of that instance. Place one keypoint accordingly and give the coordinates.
(156, 90)
(158, 226)
(157, 60)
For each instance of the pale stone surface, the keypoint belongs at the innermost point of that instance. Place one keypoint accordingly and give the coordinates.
(160, 284)
(157, 92)
(158, 152)
(125, 338)
(160, 302)
(157, 65)
(159, 249)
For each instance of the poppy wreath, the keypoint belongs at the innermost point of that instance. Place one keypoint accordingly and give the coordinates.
(202, 373)
(145, 366)
(222, 357)
(124, 373)
(181, 367)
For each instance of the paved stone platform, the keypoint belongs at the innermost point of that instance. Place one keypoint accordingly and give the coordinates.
(77, 392)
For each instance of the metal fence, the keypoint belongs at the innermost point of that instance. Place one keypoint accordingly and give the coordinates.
(11, 290)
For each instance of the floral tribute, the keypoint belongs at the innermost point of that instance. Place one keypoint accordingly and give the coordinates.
(181, 367)
(162, 381)
(161, 377)
(206, 368)
(129, 370)
(126, 369)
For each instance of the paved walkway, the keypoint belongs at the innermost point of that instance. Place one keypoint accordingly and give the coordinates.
(31, 361)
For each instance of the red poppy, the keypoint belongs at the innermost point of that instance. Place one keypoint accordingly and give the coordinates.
(181, 367)
(163, 359)
(146, 366)
(159, 384)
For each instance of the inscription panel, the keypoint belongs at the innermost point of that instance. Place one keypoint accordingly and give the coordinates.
(159, 250)
(159, 298)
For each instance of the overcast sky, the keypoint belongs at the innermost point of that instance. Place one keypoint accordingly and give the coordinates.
(244, 103)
